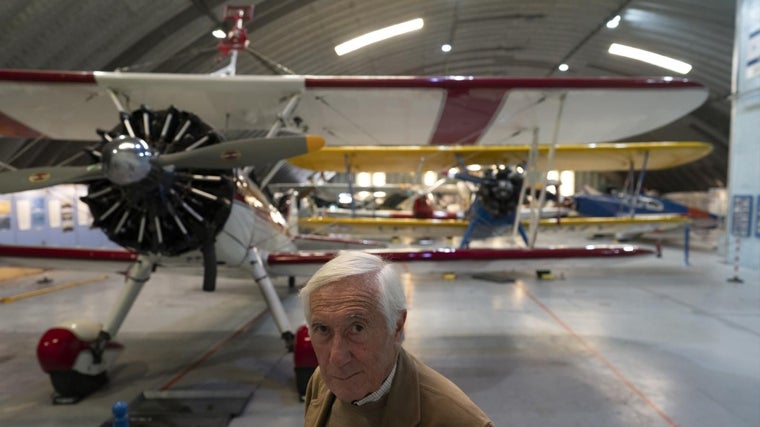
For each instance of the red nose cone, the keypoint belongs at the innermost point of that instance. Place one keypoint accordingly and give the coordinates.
(423, 207)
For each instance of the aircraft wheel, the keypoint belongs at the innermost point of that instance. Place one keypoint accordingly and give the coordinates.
(304, 359)
(72, 386)
(66, 354)
(303, 374)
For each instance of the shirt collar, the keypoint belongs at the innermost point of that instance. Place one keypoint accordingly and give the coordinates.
(385, 387)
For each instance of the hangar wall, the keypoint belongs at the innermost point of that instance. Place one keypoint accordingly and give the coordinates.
(744, 156)
(49, 217)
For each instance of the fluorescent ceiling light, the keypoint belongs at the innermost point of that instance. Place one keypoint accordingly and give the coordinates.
(650, 58)
(378, 35)
(614, 22)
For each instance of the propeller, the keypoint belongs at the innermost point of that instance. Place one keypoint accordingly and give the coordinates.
(123, 164)
(163, 181)
(36, 178)
(498, 193)
(256, 152)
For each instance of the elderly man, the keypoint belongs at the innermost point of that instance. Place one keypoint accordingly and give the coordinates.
(356, 309)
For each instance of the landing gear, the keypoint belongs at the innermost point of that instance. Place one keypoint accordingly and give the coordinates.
(304, 360)
(259, 273)
(76, 357)
(78, 354)
(72, 386)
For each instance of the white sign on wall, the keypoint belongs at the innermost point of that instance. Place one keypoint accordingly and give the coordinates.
(753, 54)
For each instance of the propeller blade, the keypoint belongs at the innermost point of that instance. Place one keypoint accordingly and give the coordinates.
(256, 152)
(35, 178)
(465, 176)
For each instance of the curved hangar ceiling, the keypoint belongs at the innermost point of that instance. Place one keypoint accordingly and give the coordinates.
(487, 38)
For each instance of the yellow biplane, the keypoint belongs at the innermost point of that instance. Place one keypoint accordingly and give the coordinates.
(578, 157)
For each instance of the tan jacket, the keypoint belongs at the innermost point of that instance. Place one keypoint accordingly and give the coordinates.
(419, 396)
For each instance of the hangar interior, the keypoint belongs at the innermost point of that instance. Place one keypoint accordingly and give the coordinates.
(671, 339)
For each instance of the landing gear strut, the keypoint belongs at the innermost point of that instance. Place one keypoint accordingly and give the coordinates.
(259, 274)
(78, 354)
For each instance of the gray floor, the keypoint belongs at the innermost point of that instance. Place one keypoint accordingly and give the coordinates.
(648, 343)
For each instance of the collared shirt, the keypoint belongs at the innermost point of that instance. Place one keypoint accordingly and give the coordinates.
(385, 387)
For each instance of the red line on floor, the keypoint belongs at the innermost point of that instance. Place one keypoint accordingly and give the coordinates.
(213, 350)
(599, 357)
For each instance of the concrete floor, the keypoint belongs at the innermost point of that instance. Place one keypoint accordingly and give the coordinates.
(648, 343)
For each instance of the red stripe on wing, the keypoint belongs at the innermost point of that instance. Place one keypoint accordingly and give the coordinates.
(67, 253)
(466, 115)
(471, 103)
(506, 83)
(47, 76)
(469, 254)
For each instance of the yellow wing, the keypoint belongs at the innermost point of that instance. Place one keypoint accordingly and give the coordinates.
(578, 157)
(414, 227)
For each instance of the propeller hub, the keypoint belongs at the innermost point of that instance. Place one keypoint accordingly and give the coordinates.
(126, 160)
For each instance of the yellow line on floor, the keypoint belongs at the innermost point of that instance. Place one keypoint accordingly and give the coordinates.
(14, 298)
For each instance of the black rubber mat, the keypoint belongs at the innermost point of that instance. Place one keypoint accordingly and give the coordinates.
(186, 408)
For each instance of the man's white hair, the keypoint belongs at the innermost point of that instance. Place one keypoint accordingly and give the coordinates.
(374, 271)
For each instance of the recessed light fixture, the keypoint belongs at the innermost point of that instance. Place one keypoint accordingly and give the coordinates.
(379, 35)
(446, 47)
(614, 22)
(563, 67)
(650, 58)
(219, 33)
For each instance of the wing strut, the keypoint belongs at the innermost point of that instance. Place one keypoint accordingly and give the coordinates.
(531, 169)
(536, 211)
(639, 183)
(116, 102)
(350, 185)
(282, 119)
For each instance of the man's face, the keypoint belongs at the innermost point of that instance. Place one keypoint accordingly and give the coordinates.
(354, 348)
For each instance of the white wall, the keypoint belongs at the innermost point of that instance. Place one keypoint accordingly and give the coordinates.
(744, 155)
(50, 217)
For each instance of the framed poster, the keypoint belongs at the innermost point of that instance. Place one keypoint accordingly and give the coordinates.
(5, 214)
(752, 67)
(741, 216)
(757, 218)
(38, 212)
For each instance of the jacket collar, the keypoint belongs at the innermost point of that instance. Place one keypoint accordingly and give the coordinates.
(402, 407)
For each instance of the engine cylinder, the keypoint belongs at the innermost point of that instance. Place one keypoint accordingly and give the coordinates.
(154, 209)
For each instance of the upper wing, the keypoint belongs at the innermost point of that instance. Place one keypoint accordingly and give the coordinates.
(354, 111)
(579, 157)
